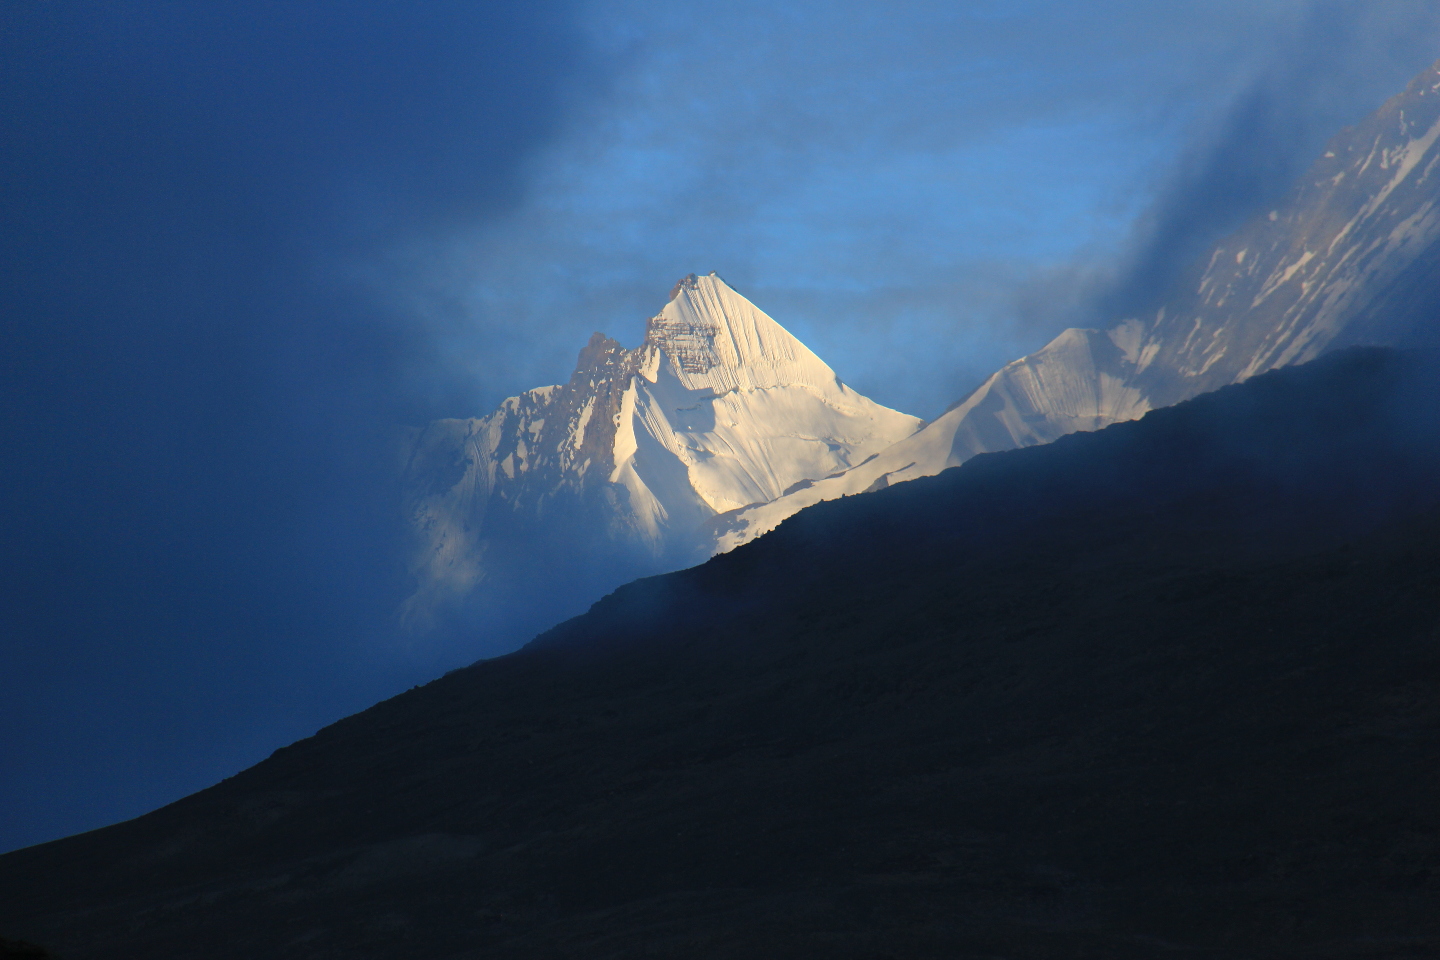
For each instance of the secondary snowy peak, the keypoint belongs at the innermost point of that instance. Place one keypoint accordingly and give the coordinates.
(1077, 382)
(1349, 257)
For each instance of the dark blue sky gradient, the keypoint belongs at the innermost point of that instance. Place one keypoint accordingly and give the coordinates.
(244, 242)
(198, 401)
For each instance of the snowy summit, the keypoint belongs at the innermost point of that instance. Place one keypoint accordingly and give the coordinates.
(625, 466)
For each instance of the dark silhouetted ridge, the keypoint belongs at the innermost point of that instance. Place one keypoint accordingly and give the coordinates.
(1168, 689)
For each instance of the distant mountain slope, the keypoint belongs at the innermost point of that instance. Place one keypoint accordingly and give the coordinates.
(1351, 256)
(1170, 688)
(611, 475)
(1078, 382)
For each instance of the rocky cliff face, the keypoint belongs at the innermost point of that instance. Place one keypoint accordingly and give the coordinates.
(1351, 256)
(546, 454)
(574, 488)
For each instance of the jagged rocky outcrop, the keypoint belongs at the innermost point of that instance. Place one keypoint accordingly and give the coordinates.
(1351, 256)
(614, 474)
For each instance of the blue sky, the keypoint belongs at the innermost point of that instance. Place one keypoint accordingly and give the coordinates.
(921, 191)
(243, 243)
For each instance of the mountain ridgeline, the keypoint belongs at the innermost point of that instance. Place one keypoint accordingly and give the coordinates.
(1172, 687)
(721, 425)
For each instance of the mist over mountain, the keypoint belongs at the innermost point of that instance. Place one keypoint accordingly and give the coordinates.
(1168, 686)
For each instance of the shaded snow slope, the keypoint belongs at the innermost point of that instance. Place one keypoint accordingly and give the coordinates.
(1351, 256)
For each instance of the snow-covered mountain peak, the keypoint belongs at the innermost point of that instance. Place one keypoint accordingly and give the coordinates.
(720, 407)
(716, 340)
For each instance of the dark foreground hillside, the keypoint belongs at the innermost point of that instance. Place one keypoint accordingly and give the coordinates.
(1169, 690)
